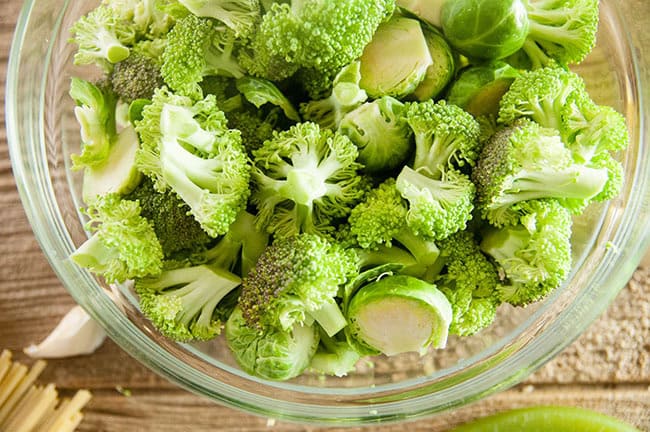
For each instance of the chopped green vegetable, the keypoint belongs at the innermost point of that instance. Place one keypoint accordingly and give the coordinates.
(330, 179)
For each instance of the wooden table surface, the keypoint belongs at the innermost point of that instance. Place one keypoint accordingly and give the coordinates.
(607, 369)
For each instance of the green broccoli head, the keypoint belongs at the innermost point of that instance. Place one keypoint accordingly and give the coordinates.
(526, 162)
(469, 281)
(187, 147)
(321, 34)
(378, 225)
(564, 30)
(271, 353)
(123, 244)
(198, 47)
(103, 38)
(590, 130)
(255, 126)
(95, 113)
(437, 208)
(240, 16)
(380, 217)
(534, 256)
(149, 21)
(445, 136)
(381, 133)
(136, 77)
(540, 95)
(181, 302)
(615, 176)
(175, 228)
(294, 279)
(305, 178)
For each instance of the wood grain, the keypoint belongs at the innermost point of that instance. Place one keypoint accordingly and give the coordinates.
(607, 369)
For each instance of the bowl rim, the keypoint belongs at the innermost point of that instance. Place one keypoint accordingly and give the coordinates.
(367, 406)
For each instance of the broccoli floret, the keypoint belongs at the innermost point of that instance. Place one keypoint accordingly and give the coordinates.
(95, 113)
(305, 178)
(136, 77)
(590, 130)
(437, 207)
(295, 280)
(255, 126)
(103, 38)
(381, 134)
(445, 136)
(271, 353)
(176, 229)
(346, 96)
(123, 244)
(540, 95)
(615, 176)
(321, 34)
(240, 16)
(148, 19)
(380, 220)
(469, 281)
(526, 162)
(334, 356)
(239, 249)
(197, 47)
(181, 302)
(564, 30)
(187, 147)
(534, 256)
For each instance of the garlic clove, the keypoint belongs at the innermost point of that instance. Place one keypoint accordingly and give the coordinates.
(76, 334)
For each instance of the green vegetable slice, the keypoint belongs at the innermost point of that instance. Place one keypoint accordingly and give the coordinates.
(546, 419)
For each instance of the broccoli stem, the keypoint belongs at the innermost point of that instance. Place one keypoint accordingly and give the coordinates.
(92, 254)
(537, 56)
(425, 252)
(550, 33)
(112, 49)
(579, 182)
(433, 157)
(330, 318)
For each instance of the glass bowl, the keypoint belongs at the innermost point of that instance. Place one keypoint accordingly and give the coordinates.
(608, 243)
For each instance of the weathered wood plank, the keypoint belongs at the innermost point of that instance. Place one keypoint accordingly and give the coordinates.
(176, 411)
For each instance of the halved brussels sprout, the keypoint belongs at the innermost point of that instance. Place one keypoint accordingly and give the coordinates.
(387, 68)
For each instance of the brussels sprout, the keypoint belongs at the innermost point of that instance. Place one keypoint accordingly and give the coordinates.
(478, 89)
(398, 314)
(387, 68)
(426, 10)
(271, 353)
(381, 134)
(440, 73)
(485, 29)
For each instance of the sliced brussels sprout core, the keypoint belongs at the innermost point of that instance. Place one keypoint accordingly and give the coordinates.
(399, 314)
(426, 10)
(387, 68)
